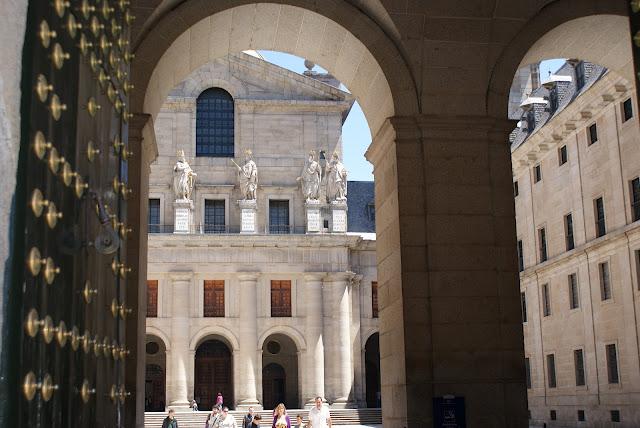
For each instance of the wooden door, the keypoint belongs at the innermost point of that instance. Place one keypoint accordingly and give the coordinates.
(68, 285)
(213, 374)
(274, 381)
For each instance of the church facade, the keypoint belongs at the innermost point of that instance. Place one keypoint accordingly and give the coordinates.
(264, 297)
(577, 196)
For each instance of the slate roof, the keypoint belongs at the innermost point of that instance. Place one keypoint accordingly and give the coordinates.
(567, 92)
(360, 204)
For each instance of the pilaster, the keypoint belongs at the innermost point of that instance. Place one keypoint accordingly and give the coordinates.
(249, 364)
(313, 378)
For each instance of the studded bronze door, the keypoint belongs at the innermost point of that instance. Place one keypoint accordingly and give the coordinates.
(71, 216)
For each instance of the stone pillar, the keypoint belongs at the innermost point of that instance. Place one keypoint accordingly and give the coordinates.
(248, 216)
(183, 215)
(358, 354)
(249, 365)
(338, 216)
(313, 378)
(177, 396)
(447, 270)
(337, 330)
(142, 143)
(313, 220)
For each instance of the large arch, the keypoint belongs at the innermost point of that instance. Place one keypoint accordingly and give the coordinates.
(595, 31)
(280, 371)
(285, 330)
(161, 335)
(374, 70)
(213, 331)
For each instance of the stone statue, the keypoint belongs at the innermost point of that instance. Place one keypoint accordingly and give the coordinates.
(336, 180)
(248, 176)
(183, 178)
(310, 178)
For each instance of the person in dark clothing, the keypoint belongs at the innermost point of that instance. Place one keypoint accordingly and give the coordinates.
(170, 421)
(248, 419)
(256, 421)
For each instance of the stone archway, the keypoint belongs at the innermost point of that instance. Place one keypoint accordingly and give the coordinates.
(213, 374)
(155, 374)
(372, 371)
(280, 368)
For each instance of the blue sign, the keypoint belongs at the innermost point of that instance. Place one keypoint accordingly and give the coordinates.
(448, 412)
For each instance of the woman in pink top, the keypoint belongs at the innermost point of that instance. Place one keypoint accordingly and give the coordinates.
(219, 400)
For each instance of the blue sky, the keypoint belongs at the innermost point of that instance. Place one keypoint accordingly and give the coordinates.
(356, 136)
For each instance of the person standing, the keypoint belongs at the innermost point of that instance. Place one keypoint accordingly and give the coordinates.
(319, 417)
(248, 419)
(213, 420)
(219, 400)
(299, 423)
(228, 421)
(281, 419)
(170, 421)
(256, 421)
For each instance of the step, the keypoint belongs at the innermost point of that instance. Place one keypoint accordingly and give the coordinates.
(339, 417)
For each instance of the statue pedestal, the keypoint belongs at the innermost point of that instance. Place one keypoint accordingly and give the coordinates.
(183, 216)
(339, 216)
(248, 217)
(312, 216)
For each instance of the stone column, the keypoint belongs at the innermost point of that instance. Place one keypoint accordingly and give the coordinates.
(313, 379)
(177, 395)
(447, 270)
(358, 354)
(142, 143)
(249, 365)
(337, 330)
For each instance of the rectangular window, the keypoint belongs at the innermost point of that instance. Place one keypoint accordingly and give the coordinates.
(562, 155)
(214, 221)
(542, 241)
(574, 301)
(592, 135)
(154, 215)
(568, 232)
(546, 303)
(601, 227)
(635, 198)
(374, 299)
(214, 298)
(552, 415)
(581, 416)
(551, 370)
(578, 363)
(520, 257)
(579, 68)
(627, 110)
(280, 298)
(537, 173)
(527, 372)
(278, 216)
(605, 281)
(612, 364)
(523, 306)
(516, 191)
(152, 298)
(615, 416)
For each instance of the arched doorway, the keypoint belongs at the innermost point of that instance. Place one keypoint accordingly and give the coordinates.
(154, 389)
(372, 370)
(213, 374)
(279, 372)
(274, 385)
(155, 375)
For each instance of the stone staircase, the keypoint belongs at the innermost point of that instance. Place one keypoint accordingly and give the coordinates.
(339, 417)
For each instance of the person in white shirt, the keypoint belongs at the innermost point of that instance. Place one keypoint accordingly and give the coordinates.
(228, 421)
(319, 416)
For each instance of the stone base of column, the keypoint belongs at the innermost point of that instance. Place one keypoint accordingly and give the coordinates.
(245, 404)
(341, 403)
(179, 406)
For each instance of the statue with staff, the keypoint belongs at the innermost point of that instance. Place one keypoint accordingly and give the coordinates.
(310, 178)
(184, 178)
(247, 176)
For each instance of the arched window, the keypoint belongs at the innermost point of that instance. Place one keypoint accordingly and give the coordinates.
(214, 123)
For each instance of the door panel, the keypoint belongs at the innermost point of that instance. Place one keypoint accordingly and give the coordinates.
(71, 211)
